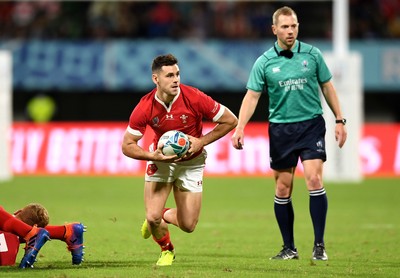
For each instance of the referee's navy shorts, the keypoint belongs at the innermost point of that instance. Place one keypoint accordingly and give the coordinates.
(288, 142)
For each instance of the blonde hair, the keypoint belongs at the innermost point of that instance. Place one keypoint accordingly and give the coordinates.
(33, 214)
(282, 11)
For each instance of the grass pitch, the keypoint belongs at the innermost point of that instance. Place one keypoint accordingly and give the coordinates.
(236, 234)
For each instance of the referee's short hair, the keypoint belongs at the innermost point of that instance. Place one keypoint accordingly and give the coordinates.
(285, 10)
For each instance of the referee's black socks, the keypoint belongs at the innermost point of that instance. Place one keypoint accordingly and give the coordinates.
(318, 211)
(285, 217)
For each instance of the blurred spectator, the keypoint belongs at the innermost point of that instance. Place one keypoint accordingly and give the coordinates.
(390, 10)
(162, 18)
(231, 21)
(365, 21)
(23, 15)
(179, 20)
(6, 10)
(102, 19)
(193, 22)
(77, 28)
(45, 22)
(258, 16)
(127, 23)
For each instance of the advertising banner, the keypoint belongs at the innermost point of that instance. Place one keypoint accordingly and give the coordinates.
(94, 148)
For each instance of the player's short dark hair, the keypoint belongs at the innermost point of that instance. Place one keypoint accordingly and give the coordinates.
(163, 60)
(33, 214)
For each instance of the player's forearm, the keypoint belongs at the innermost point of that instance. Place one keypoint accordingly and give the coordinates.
(133, 150)
(130, 147)
(219, 131)
(225, 124)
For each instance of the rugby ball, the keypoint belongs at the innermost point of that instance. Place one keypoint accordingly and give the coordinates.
(174, 143)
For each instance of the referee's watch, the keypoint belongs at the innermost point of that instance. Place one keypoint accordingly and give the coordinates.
(341, 121)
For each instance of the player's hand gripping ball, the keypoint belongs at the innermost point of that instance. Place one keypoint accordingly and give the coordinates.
(175, 143)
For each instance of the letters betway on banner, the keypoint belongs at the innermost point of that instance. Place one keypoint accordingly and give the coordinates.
(95, 149)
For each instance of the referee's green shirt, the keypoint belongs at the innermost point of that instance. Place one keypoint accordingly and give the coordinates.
(292, 84)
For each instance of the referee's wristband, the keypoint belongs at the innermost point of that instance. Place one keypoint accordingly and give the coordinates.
(341, 121)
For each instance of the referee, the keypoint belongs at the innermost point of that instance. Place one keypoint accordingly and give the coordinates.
(292, 72)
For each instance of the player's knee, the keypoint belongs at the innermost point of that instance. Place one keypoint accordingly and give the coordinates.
(188, 227)
(154, 219)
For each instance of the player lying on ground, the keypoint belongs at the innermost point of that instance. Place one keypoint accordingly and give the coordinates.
(30, 225)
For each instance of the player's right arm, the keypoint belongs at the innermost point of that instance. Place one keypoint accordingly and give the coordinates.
(131, 148)
(138, 121)
(247, 109)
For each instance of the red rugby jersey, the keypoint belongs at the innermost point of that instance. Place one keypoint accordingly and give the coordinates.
(185, 113)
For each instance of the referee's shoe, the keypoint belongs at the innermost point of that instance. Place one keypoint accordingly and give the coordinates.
(319, 253)
(286, 254)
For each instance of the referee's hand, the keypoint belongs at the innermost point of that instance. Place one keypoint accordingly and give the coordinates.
(238, 139)
(340, 134)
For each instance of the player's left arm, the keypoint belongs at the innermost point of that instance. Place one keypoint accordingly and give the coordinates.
(225, 123)
(332, 100)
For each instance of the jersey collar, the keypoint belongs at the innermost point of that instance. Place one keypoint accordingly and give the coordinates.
(296, 47)
(168, 108)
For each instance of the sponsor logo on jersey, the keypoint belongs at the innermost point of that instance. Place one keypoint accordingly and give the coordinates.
(169, 117)
(293, 84)
(276, 70)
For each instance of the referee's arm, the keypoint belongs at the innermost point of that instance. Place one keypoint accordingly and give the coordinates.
(247, 109)
(333, 102)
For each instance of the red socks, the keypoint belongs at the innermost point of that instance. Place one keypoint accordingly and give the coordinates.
(56, 232)
(165, 243)
(163, 212)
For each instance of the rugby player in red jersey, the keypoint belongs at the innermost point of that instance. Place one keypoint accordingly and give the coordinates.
(173, 106)
(34, 218)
